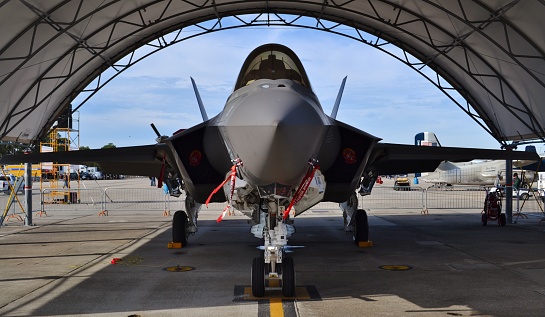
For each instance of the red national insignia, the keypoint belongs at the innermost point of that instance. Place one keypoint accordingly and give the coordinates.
(195, 158)
(349, 156)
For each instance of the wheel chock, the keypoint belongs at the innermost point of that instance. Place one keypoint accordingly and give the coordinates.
(174, 245)
(365, 244)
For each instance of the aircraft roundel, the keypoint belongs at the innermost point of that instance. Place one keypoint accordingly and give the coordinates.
(195, 158)
(349, 155)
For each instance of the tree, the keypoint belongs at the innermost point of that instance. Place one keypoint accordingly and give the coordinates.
(11, 148)
(109, 146)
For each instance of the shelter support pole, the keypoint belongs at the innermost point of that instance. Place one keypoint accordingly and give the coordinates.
(509, 191)
(28, 194)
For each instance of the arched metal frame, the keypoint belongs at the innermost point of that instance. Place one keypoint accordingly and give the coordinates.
(391, 26)
(278, 20)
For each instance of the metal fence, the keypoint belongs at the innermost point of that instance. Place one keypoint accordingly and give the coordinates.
(454, 197)
(425, 198)
(394, 198)
(154, 199)
(72, 200)
(139, 199)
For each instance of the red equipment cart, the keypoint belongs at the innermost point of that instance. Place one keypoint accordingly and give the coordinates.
(492, 208)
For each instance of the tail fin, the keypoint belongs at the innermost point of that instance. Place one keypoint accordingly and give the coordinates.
(199, 100)
(426, 139)
(338, 100)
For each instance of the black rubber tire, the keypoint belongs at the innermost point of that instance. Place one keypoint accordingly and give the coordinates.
(524, 196)
(288, 278)
(503, 220)
(361, 226)
(179, 227)
(484, 219)
(258, 277)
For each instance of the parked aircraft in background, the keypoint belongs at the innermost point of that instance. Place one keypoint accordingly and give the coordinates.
(271, 153)
(482, 173)
(476, 172)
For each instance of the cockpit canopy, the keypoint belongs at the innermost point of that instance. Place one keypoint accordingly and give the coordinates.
(272, 61)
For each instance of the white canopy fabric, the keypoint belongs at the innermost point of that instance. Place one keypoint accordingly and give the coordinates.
(491, 51)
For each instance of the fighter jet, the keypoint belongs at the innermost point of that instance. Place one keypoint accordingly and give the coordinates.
(271, 153)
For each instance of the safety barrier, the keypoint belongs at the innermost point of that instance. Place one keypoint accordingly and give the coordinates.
(71, 199)
(424, 198)
(154, 199)
(139, 199)
(455, 197)
(394, 198)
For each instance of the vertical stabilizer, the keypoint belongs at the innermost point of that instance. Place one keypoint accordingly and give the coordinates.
(199, 100)
(426, 139)
(338, 100)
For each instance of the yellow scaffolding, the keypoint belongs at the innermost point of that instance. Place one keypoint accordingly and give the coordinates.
(57, 177)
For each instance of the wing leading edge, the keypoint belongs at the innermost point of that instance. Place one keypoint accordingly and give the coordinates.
(391, 159)
(136, 160)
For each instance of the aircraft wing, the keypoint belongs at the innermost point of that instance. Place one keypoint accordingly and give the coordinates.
(391, 159)
(136, 160)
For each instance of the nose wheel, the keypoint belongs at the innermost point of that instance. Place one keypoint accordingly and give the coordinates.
(288, 278)
(259, 276)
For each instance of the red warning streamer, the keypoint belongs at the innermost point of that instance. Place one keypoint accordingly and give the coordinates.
(161, 174)
(302, 189)
(232, 177)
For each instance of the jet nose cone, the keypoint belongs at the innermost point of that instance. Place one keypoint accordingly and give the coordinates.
(274, 133)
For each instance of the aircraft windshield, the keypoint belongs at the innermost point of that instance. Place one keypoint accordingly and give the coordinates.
(272, 61)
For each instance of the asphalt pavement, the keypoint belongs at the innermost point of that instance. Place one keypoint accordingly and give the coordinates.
(444, 263)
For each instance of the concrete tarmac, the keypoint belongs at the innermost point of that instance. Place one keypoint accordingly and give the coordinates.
(441, 264)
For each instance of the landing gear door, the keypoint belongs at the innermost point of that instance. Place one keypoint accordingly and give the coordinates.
(314, 194)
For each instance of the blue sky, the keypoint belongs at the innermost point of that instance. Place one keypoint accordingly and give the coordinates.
(383, 96)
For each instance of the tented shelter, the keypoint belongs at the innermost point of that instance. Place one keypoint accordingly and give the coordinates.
(492, 52)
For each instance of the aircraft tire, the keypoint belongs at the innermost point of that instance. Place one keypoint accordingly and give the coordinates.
(258, 277)
(361, 227)
(288, 278)
(503, 220)
(179, 227)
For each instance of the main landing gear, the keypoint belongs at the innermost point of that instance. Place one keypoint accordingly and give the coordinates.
(180, 227)
(273, 266)
(361, 227)
(185, 223)
(356, 221)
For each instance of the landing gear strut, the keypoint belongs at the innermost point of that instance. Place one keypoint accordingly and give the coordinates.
(273, 265)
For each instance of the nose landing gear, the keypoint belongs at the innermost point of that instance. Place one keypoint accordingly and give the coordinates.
(273, 266)
(283, 272)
